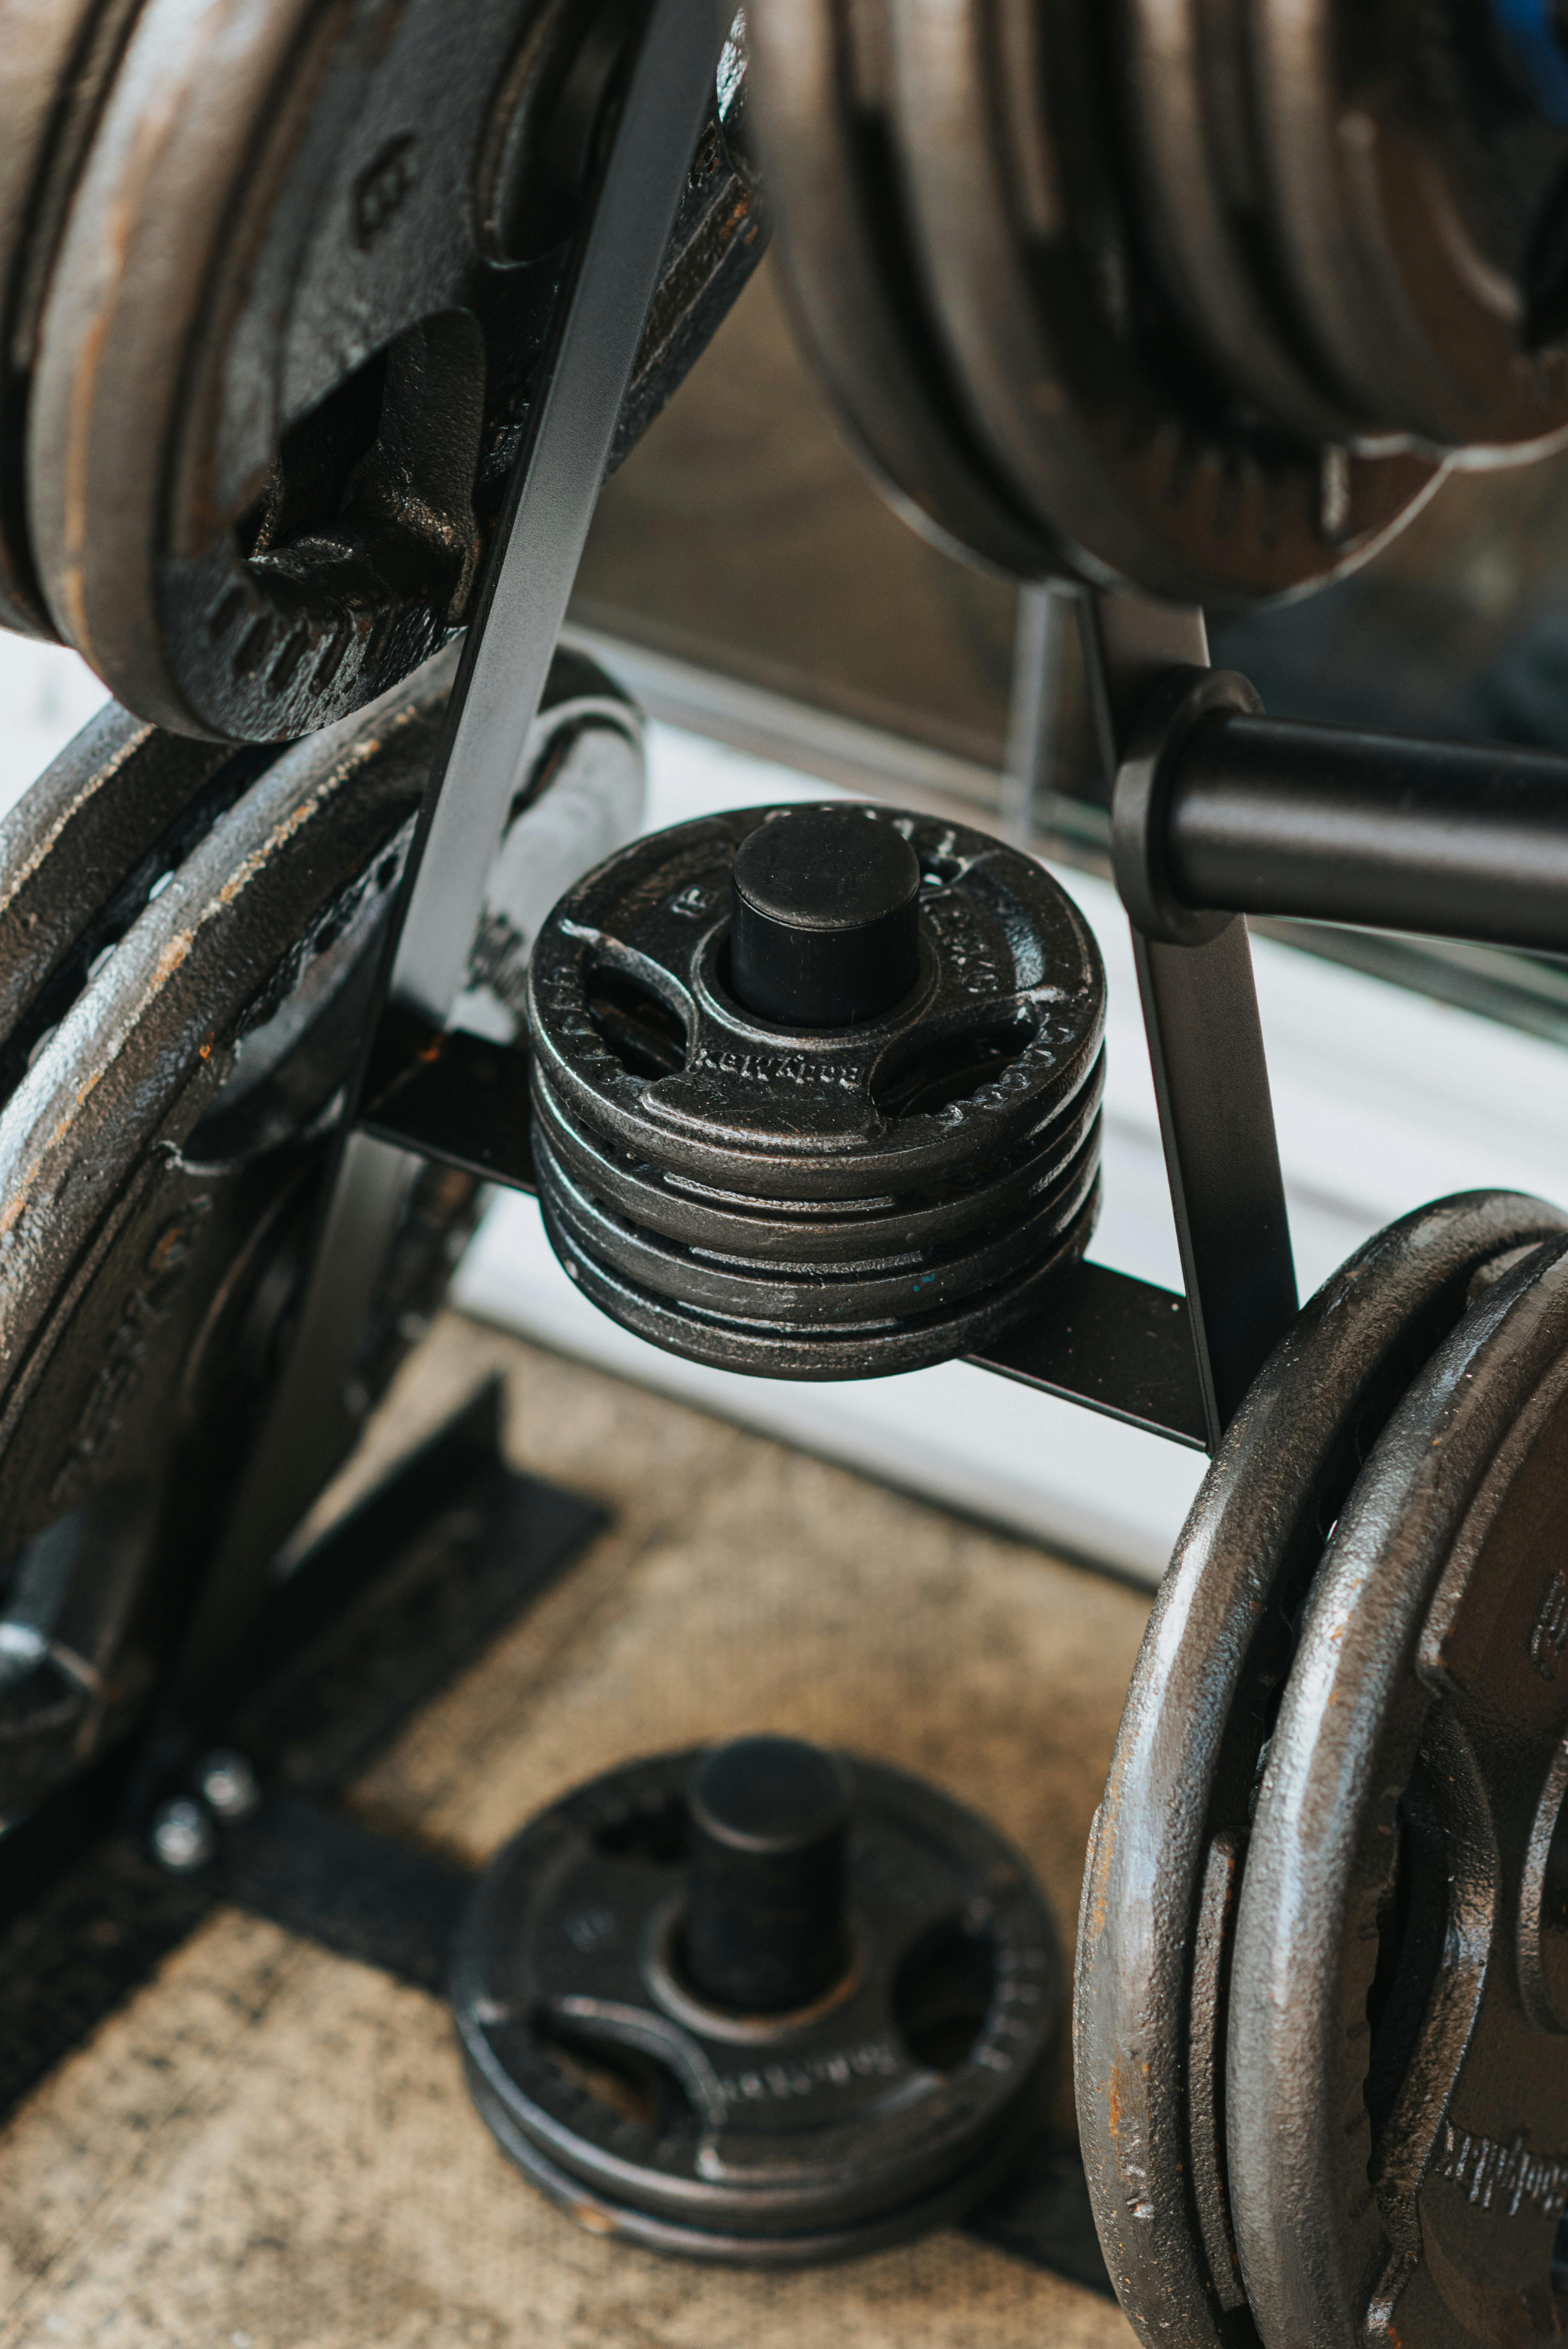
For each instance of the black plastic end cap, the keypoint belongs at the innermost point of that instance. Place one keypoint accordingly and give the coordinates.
(824, 918)
(765, 1930)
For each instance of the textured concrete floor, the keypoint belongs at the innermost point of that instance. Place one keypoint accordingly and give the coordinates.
(272, 2148)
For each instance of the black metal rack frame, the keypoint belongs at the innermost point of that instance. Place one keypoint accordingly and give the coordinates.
(1217, 813)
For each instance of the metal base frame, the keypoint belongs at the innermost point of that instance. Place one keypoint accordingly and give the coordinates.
(501, 1538)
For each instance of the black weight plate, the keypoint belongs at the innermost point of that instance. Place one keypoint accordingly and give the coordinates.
(1416, 210)
(157, 1167)
(1201, 196)
(806, 1232)
(786, 1350)
(1073, 361)
(56, 58)
(1170, 1836)
(306, 285)
(770, 2141)
(853, 1294)
(84, 849)
(1011, 983)
(159, 1163)
(822, 107)
(1396, 2098)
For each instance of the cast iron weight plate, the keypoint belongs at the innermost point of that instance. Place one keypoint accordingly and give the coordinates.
(844, 236)
(775, 1338)
(1202, 213)
(828, 1202)
(745, 2139)
(1359, 223)
(303, 294)
(1398, 2078)
(1081, 383)
(158, 1165)
(57, 59)
(1416, 211)
(819, 1290)
(82, 852)
(1002, 947)
(735, 1230)
(1171, 1837)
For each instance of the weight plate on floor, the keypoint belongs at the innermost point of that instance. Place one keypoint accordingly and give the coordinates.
(56, 58)
(822, 103)
(159, 1165)
(1418, 217)
(647, 2111)
(306, 286)
(1078, 375)
(1397, 2096)
(1171, 1838)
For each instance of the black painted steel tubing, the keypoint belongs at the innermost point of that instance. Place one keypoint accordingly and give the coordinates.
(1222, 811)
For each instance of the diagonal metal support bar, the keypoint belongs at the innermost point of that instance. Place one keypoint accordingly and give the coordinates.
(1206, 1048)
(511, 636)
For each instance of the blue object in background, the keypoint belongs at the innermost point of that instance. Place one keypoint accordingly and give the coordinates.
(1529, 27)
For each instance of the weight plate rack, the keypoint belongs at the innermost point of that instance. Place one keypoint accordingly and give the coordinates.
(1194, 317)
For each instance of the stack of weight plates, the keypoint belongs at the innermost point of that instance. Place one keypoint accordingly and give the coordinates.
(1195, 301)
(834, 1203)
(1321, 2021)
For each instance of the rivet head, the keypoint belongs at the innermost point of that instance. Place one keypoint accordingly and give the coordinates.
(183, 1837)
(229, 1785)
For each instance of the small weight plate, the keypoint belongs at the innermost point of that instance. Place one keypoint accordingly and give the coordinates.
(823, 100)
(1397, 2095)
(804, 1232)
(307, 281)
(780, 1342)
(1171, 1837)
(892, 2102)
(833, 1203)
(842, 1295)
(56, 58)
(1414, 204)
(1072, 359)
(1011, 992)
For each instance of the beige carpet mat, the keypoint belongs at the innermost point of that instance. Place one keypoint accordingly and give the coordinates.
(270, 2148)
